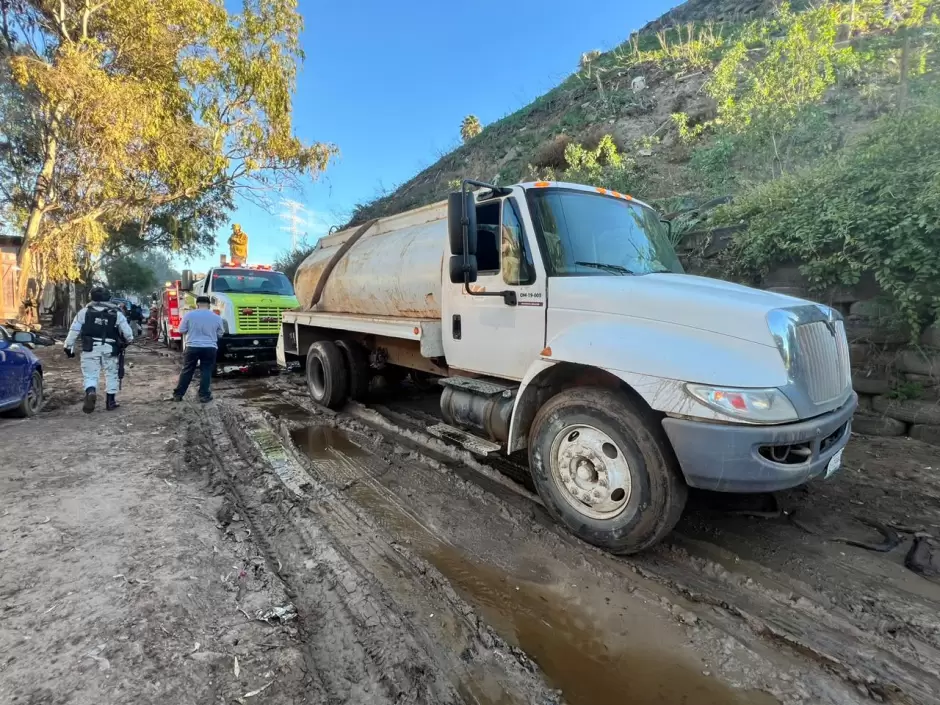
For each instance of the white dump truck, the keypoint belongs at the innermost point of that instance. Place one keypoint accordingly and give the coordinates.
(559, 321)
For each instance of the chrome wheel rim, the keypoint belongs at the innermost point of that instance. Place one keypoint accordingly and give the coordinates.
(590, 471)
(34, 396)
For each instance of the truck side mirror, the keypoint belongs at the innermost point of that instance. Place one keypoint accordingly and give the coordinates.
(459, 203)
(668, 224)
(457, 268)
(186, 283)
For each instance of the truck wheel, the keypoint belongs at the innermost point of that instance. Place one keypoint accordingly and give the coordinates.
(604, 469)
(326, 374)
(357, 367)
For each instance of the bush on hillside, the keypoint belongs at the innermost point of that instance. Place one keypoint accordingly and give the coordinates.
(288, 261)
(873, 208)
(602, 166)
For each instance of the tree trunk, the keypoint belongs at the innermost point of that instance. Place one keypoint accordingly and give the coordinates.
(60, 312)
(26, 286)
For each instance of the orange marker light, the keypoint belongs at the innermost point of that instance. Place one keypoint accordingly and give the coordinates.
(542, 184)
(547, 352)
(602, 190)
(417, 330)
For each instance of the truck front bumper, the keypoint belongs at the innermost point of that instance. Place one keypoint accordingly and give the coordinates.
(740, 458)
(247, 349)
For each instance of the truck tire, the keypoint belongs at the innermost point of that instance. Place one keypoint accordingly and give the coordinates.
(604, 469)
(326, 374)
(357, 368)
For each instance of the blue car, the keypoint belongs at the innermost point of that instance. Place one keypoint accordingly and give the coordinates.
(20, 373)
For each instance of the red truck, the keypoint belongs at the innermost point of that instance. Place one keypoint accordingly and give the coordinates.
(168, 319)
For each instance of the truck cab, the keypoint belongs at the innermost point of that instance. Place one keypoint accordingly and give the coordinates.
(251, 300)
(560, 322)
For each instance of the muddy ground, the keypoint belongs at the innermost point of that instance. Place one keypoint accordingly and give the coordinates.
(261, 549)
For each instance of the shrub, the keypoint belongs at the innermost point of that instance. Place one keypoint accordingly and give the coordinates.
(602, 166)
(873, 208)
(552, 153)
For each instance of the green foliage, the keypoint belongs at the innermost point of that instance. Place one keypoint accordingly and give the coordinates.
(140, 104)
(603, 166)
(687, 131)
(130, 277)
(873, 208)
(906, 391)
(800, 62)
(713, 161)
(157, 262)
(470, 128)
(288, 261)
(687, 48)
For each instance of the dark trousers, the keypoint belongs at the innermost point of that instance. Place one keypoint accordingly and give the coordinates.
(205, 358)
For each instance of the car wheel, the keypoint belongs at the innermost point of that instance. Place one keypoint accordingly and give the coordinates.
(32, 402)
(326, 374)
(604, 469)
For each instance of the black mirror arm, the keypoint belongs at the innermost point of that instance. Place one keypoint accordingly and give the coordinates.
(509, 296)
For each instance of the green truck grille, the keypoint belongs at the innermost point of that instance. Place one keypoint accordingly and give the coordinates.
(263, 319)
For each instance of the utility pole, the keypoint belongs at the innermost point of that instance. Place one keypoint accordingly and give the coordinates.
(294, 214)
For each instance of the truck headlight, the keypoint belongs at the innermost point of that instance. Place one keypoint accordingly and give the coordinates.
(754, 405)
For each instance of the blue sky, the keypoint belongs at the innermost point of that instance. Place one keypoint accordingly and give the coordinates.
(381, 81)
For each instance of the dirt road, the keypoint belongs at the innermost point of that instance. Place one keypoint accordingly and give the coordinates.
(259, 549)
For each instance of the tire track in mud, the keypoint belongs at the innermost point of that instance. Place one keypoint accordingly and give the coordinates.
(721, 634)
(772, 607)
(361, 644)
(886, 651)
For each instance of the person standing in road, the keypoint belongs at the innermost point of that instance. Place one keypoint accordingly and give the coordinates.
(202, 329)
(104, 331)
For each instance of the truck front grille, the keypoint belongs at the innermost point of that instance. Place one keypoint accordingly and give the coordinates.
(265, 319)
(823, 360)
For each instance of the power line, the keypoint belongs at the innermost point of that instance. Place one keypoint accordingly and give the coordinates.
(297, 220)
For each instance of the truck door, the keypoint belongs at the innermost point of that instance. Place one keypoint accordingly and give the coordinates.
(484, 334)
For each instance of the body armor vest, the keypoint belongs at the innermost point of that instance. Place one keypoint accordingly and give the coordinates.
(100, 324)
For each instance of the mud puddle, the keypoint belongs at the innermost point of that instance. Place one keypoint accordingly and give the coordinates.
(319, 442)
(578, 654)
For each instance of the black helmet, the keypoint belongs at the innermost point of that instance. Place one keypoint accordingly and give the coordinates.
(99, 294)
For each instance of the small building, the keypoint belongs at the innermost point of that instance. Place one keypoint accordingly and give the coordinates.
(9, 247)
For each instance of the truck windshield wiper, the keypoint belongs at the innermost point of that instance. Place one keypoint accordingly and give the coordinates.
(604, 265)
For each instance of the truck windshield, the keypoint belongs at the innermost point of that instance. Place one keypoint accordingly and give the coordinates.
(251, 281)
(589, 234)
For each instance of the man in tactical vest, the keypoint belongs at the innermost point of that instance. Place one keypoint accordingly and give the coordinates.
(104, 331)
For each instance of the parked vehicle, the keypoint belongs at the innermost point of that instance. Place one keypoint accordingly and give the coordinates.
(251, 300)
(169, 316)
(560, 322)
(21, 382)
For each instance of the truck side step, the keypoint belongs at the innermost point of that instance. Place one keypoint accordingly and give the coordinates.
(478, 386)
(474, 444)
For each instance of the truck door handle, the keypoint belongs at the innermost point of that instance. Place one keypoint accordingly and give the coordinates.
(456, 332)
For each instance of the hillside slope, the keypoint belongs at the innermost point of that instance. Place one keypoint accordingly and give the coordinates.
(585, 106)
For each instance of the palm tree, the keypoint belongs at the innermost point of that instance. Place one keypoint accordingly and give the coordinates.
(470, 127)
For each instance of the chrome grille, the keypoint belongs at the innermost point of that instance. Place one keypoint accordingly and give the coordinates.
(823, 360)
